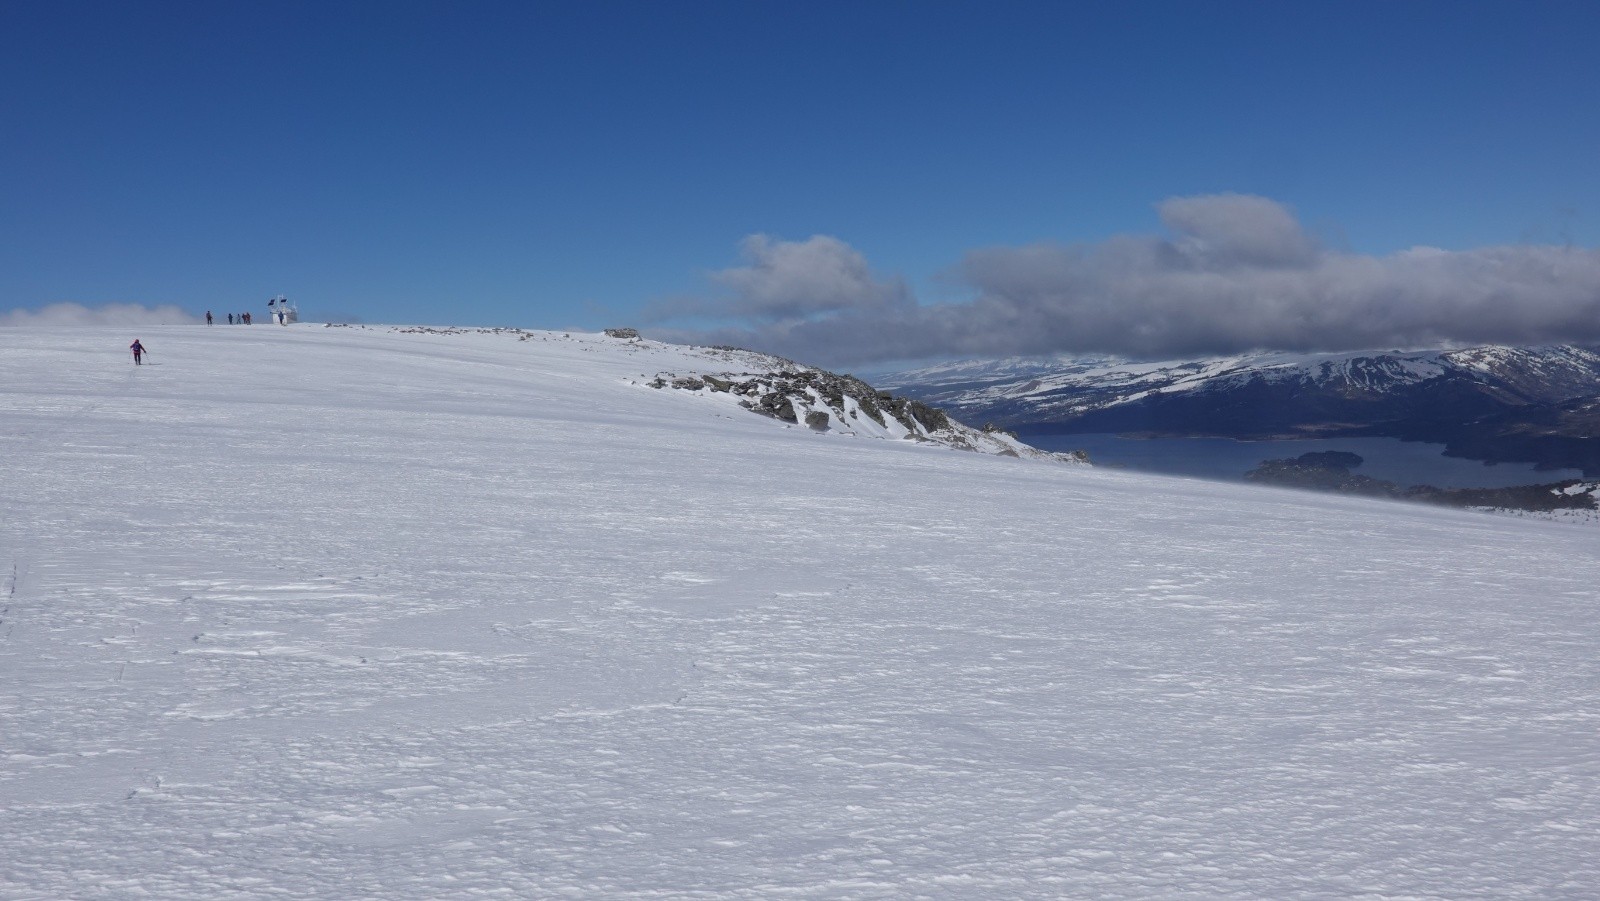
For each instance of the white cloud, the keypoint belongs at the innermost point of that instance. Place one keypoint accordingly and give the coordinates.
(785, 281)
(1233, 273)
(111, 314)
(1222, 230)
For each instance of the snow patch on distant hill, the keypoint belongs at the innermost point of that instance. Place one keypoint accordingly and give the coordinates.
(1261, 394)
(1061, 388)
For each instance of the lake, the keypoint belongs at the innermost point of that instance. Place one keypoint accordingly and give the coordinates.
(1405, 463)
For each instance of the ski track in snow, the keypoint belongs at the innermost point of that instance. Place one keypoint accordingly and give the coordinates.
(351, 613)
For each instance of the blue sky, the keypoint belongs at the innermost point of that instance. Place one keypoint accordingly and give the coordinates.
(592, 164)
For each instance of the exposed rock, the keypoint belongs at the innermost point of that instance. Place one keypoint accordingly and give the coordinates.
(774, 404)
(798, 394)
(627, 333)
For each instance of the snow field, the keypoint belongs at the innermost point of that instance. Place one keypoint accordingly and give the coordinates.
(359, 613)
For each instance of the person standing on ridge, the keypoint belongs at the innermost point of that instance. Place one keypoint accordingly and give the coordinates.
(138, 352)
(208, 317)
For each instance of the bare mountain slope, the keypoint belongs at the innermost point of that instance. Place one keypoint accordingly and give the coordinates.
(1480, 401)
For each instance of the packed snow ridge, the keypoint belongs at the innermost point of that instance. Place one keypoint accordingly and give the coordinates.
(366, 612)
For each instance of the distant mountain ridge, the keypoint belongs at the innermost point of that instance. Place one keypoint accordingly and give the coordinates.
(1494, 403)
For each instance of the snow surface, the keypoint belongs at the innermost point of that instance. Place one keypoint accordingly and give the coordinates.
(350, 613)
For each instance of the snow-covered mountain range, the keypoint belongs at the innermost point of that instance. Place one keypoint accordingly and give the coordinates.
(418, 613)
(1492, 403)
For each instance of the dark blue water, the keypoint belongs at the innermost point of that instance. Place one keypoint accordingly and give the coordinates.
(1405, 463)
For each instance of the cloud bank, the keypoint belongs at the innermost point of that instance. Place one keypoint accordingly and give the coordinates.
(111, 314)
(795, 280)
(1232, 273)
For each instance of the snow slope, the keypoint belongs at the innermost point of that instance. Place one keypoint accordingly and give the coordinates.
(346, 613)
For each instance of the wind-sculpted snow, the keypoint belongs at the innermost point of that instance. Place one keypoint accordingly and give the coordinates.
(341, 613)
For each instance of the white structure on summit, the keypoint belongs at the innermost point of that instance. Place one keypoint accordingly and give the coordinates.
(281, 311)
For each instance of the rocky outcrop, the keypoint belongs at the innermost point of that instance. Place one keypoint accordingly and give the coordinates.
(826, 401)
